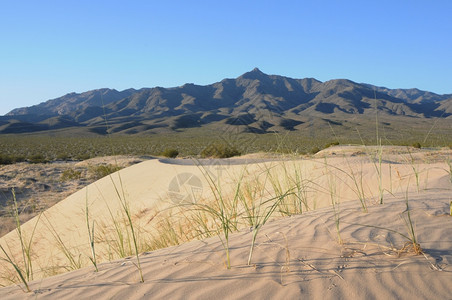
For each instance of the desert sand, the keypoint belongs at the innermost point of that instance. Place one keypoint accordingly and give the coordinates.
(333, 249)
(39, 186)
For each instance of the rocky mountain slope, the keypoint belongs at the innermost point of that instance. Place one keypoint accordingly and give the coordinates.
(253, 102)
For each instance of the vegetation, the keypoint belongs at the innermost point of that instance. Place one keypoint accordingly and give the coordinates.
(98, 172)
(91, 236)
(416, 145)
(170, 152)
(71, 174)
(38, 159)
(331, 144)
(249, 204)
(314, 150)
(8, 160)
(130, 224)
(219, 150)
(194, 143)
(24, 265)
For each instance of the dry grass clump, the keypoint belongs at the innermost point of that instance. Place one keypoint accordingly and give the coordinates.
(23, 266)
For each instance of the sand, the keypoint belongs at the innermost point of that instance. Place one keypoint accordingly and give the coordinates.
(40, 186)
(298, 256)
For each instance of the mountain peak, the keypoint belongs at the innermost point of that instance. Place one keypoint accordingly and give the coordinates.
(254, 74)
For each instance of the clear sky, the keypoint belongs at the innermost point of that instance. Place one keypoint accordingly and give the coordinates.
(51, 48)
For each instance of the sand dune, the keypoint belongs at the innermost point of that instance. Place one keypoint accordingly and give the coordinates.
(303, 255)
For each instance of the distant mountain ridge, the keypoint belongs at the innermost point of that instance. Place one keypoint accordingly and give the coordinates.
(253, 102)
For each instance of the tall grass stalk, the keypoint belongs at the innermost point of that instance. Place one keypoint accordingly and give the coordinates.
(90, 228)
(297, 201)
(126, 209)
(406, 216)
(335, 204)
(257, 209)
(379, 152)
(121, 243)
(286, 209)
(24, 269)
(73, 260)
(290, 193)
(168, 233)
(415, 169)
(412, 242)
(301, 191)
(358, 182)
(223, 209)
(377, 165)
(260, 220)
(359, 187)
(123, 200)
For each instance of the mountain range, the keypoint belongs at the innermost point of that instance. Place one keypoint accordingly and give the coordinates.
(253, 102)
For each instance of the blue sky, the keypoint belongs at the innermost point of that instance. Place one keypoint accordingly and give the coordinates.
(50, 48)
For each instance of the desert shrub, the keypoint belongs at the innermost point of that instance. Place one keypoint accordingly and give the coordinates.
(314, 150)
(6, 160)
(220, 151)
(170, 152)
(18, 158)
(416, 145)
(38, 159)
(331, 144)
(62, 156)
(98, 172)
(70, 174)
(285, 150)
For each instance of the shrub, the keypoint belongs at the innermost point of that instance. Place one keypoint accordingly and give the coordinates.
(62, 156)
(416, 145)
(70, 174)
(98, 172)
(38, 159)
(18, 158)
(171, 153)
(6, 160)
(220, 151)
(331, 144)
(314, 150)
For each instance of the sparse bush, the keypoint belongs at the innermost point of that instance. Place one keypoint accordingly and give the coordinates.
(220, 151)
(416, 145)
(38, 159)
(18, 158)
(314, 150)
(98, 172)
(6, 160)
(70, 174)
(62, 156)
(331, 144)
(169, 152)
